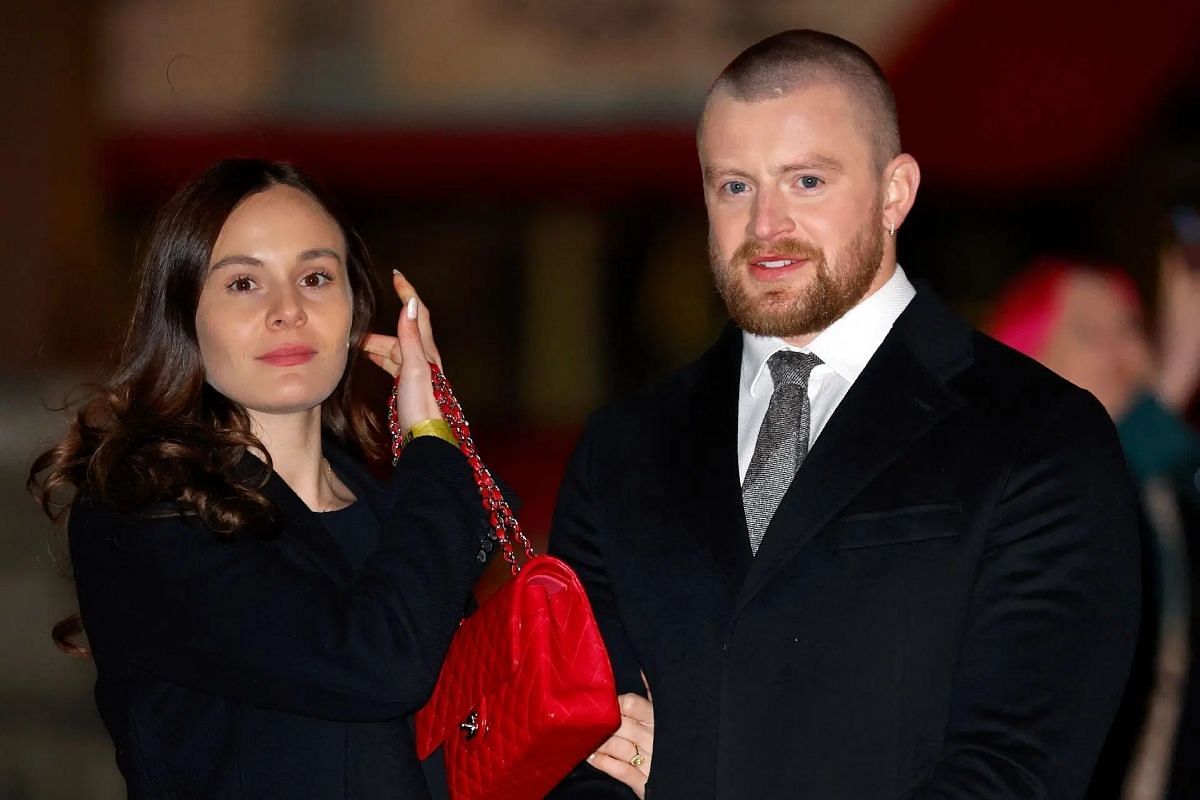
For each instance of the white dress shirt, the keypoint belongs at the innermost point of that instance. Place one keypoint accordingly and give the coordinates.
(845, 347)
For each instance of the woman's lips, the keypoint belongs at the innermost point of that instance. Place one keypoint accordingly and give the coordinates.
(290, 355)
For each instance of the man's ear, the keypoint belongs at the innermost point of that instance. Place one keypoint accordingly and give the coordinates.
(901, 178)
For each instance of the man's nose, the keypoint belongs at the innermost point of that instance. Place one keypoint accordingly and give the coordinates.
(771, 218)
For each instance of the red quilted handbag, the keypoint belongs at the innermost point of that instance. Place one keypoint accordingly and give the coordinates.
(526, 691)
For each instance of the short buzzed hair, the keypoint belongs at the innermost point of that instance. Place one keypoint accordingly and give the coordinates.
(797, 59)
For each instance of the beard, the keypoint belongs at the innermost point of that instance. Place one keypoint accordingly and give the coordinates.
(786, 311)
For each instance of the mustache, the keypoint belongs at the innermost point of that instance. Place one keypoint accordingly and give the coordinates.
(788, 248)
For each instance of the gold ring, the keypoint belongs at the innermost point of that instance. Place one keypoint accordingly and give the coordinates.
(638, 759)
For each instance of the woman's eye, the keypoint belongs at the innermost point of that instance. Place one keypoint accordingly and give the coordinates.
(809, 181)
(242, 284)
(315, 279)
(736, 187)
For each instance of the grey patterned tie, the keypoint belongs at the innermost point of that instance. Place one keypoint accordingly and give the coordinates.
(782, 441)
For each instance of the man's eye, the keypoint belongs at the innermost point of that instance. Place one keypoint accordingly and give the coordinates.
(736, 187)
(809, 181)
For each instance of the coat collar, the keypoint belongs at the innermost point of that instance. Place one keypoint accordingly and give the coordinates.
(709, 487)
(302, 526)
(900, 395)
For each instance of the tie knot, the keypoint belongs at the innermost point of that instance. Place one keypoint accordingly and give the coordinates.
(790, 367)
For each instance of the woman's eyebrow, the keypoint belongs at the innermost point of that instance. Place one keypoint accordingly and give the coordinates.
(250, 261)
(245, 261)
(319, 252)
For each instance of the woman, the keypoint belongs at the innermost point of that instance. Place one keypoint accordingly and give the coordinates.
(1085, 322)
(263, 615)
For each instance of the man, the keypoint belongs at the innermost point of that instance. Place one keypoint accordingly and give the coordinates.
(857, 549)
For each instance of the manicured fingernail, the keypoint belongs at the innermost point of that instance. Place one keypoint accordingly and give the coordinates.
(397, 272)
(412, 308)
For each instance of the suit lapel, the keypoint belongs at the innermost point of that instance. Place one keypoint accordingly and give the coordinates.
(899, 396)
(707, 487)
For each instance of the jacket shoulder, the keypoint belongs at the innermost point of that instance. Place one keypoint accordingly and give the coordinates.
(1012, 388)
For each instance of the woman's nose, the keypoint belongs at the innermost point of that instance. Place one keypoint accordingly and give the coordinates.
(287, 311)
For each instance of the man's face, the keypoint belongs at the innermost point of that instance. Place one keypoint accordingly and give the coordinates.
(794, 201)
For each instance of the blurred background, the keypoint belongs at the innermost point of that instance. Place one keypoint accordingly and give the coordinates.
(530, 165)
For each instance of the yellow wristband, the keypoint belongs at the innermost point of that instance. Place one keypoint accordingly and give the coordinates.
(429, 427)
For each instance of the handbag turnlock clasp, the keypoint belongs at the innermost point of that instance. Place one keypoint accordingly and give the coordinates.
(470, 725)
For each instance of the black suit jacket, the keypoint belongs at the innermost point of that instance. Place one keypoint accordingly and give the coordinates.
(944, 605)
(269, 668)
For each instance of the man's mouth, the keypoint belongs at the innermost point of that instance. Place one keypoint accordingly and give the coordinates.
(775, 267)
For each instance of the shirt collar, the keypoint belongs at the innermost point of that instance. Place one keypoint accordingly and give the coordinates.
(845, 346)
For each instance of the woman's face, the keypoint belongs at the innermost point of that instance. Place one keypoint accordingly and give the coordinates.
(1098, 343)
(275, 311)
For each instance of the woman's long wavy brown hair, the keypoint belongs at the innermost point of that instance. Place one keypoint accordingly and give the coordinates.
(156, 438)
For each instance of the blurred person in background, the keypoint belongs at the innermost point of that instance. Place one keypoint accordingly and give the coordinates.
(264, 615)
(1085, 321)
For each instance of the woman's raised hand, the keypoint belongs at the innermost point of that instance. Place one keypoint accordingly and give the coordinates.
(407, 355)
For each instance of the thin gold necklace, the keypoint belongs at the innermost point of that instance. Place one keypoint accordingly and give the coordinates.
(337, 498)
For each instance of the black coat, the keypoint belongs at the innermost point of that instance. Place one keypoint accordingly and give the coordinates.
(944, 605)
(268, 668)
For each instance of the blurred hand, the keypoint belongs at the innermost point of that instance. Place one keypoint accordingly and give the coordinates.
(634, 739)
(1179, 329)
(407, 355)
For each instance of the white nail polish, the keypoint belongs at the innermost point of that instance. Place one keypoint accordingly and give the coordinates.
(412, 308)
(396, 272)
